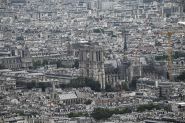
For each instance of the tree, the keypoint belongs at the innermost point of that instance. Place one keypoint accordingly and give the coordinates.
(101, 114)
(88, 102)
(178, 54)
(125, 86)
(2, 67)
(44, 85)
(79, 114)
(59, 64)
(98, 30)
(114, 36)
(168, 15)
(84, 82)
(121, 111)
(181, 77)
(152, 106)
(161, 57)
(76, 64)
(31, 85)
(132, 85)
(94, 85)
(45, 62)
(36, 64)
(20, 38)
(158, 43)
(108, 88)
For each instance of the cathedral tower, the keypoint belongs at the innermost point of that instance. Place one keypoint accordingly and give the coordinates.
(92, 63)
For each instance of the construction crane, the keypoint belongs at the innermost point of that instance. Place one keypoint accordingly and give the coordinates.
(138, 55)
(170, 52)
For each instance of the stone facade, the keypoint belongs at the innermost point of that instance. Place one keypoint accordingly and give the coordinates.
(19, 57)
(91, 63)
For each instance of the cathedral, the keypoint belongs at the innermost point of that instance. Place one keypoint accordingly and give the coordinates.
(91, 62)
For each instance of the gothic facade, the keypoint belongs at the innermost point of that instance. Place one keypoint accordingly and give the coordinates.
(91, 62)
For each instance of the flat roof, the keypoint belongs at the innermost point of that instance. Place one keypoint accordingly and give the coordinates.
(67, 96)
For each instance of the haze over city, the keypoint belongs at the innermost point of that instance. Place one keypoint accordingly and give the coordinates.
(92, 61)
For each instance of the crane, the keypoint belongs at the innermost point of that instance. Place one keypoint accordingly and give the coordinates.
(138, 54)
(170, 52)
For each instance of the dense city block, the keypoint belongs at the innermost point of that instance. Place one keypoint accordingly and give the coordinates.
(92, 61)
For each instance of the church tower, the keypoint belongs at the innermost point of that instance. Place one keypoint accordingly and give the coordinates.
(26, 57)
(91, 63)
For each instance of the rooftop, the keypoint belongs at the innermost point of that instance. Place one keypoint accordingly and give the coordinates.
(67, 96)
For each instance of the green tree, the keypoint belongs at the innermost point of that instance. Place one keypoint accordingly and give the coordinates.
(181, 77)
(76, 64)
(124, 86)
(45, 62)
(132, 85)
(31, 85)
(20, 38)
(44, 85)
(101, 114)
(158, 43)
(98, 30)
(2, 67)
(88, 102)
(152, 106)
(178, 54)
(114, 36)
(84, 82)
(108, 88)
(78, 114)
(59, 64)
(121, 110)
(94, 85)
(161, 57)
(37, 64)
